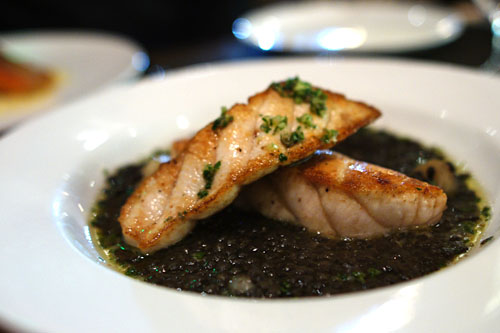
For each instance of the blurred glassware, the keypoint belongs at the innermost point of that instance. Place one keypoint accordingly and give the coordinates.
(491, 9)
(354, 26)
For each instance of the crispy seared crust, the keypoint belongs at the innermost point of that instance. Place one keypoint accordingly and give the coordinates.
(162, 209)
(341, 197)
(325, 170)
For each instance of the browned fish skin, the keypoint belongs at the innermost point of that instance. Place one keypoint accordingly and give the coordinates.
(165, 205)
(341, 197)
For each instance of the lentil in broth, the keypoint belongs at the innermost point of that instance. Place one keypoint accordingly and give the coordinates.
(237, 253)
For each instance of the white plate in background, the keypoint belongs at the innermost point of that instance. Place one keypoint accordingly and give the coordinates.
(355, 26)
(83, 61)
(52, 170)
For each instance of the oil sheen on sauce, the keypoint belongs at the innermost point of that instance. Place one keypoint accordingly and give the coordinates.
(235, 253)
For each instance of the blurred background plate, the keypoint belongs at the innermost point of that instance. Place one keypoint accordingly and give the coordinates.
(358, 26)
(82, 62)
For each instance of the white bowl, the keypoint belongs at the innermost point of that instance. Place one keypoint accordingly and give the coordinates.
(53, 278)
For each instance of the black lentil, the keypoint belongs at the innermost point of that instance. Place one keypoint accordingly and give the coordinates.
(240, 254)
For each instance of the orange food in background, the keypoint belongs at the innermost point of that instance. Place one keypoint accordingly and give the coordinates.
(19, 78)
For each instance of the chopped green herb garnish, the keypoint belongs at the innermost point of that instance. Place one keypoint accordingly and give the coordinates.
(285, 287)
(360, 276)
(198, 255)
(303, 92)
(372, 272)
(282, 157)
(329, 136)
(131, 272)
(289, 139)
(486, 212)
(266, 125)
(223, 120)
(208, 174)
(202, 193)
(469, 227)
(278, 122)
(318, 103)
(307, 120)
(341, 277)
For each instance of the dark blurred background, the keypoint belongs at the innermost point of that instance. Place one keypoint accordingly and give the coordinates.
(185, 32)
(155, 23)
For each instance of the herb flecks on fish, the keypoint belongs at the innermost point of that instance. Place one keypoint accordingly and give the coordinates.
(290, 139)
(282, 157)
(223, 120)
(307, 120)
(278, 123)
(303, 92)
(330, 135)
(209, 172)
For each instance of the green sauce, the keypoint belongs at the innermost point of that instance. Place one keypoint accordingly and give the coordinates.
(242, 254)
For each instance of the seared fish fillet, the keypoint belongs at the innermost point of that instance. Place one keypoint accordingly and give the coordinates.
(246, 143)
(341, 197)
